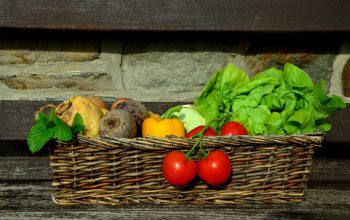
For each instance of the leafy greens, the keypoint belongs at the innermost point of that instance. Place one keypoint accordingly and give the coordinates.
(272, 102)
(50, 127)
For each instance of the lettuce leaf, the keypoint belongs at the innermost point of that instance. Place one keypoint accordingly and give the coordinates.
(216, 97)
(272, 102)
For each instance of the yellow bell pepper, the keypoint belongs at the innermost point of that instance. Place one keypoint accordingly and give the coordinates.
(161, 127)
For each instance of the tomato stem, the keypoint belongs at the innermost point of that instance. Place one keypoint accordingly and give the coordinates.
(190, 152)
(200, 137)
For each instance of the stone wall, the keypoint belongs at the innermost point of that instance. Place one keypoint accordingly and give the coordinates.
(158, 69)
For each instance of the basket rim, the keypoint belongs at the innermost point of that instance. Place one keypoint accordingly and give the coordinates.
(159, 143)
(252, 139)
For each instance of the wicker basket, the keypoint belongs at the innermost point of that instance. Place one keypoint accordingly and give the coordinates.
(265, 169)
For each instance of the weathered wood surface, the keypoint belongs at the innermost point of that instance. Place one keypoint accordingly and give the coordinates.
(16, 118)
(178, 15)
(32, 200)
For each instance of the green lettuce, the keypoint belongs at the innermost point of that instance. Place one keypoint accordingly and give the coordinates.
(272, 102)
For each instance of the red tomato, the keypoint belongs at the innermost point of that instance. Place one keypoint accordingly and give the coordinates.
(196, 130)
(233, 128)
(177, 169)
(215, 169)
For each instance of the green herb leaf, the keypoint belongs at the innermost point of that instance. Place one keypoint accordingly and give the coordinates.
(50, 126)
(42, 119)
(78, 124)
(38, 136)
(61, 131)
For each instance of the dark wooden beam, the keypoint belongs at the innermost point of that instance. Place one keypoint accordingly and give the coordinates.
(178, 15)
(340, 133)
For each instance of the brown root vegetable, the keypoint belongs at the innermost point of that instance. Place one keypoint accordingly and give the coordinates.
(98, 101)
(135, 108)
(118, 123)
(90, 113)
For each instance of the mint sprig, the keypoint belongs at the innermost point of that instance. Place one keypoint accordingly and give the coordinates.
(78, 124)
(38, 136)
(50, 127)
(61, 131)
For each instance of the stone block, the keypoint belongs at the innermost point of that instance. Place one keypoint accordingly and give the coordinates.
(31, 51)
(73, 68)
(312, 57)
(172, 66)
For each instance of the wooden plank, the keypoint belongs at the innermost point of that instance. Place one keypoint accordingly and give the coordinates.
(16, 119)
(24, 168)
(38, 168)
(340, 133)
(178, 15)
(330, 169)
(32, 200)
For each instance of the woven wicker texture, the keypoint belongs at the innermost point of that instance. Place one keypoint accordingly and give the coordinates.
(265, 169)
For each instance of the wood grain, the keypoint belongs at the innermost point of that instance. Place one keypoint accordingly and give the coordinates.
(178, 15)
(32, 200)
(340, 133)
(24, 168)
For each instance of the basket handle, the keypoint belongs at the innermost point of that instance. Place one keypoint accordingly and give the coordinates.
(41, 109)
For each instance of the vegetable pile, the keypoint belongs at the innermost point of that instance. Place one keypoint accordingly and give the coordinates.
(88, 116)
(272, 102)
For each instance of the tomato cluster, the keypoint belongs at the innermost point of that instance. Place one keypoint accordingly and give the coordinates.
(179, 170)
(214, 169)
